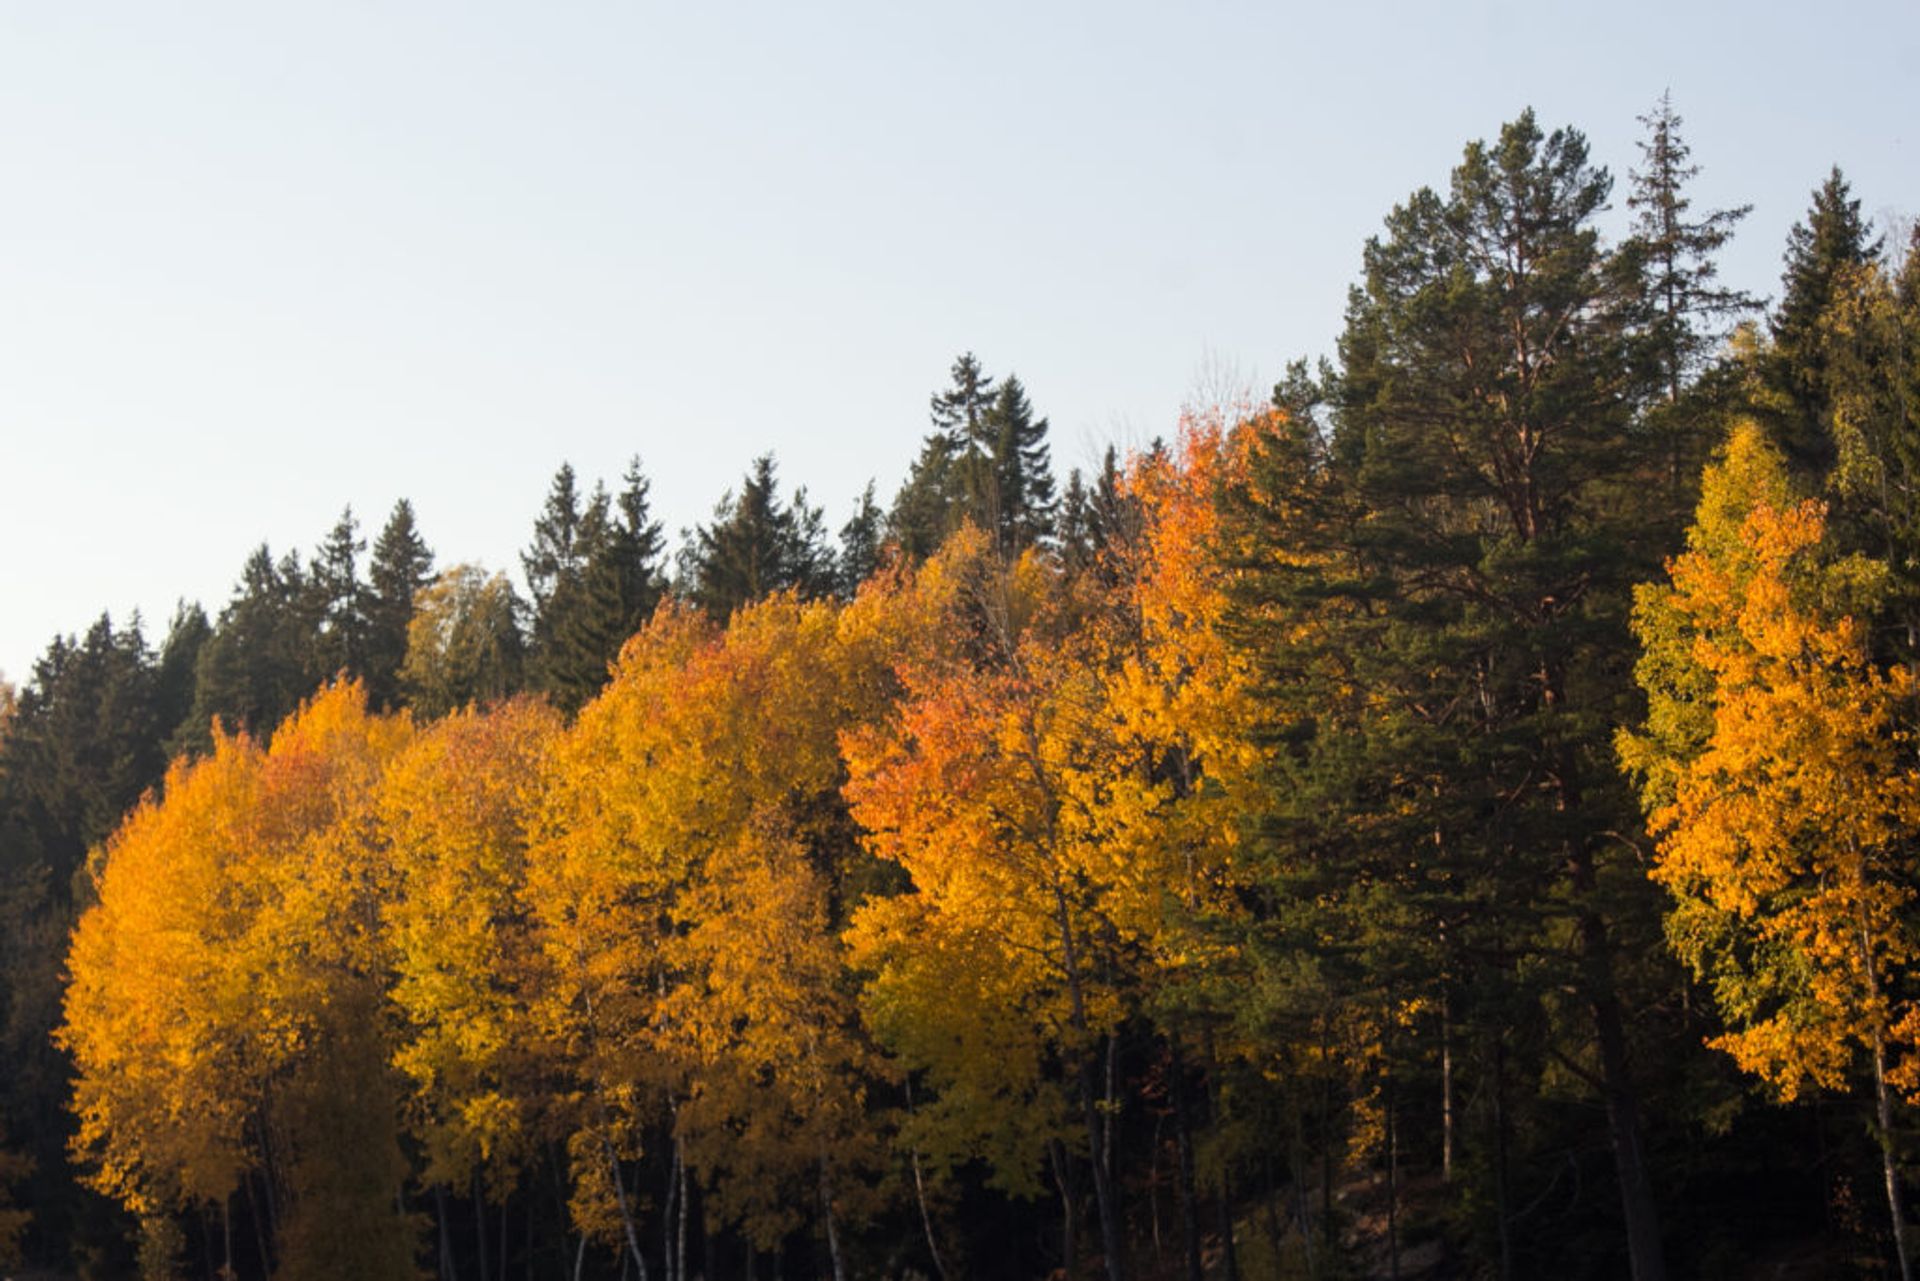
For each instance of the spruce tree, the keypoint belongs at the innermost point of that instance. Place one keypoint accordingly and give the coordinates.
(1023, 471)
(757, 545)
(1833, 241)
(1689, 313)
(402, 566)
(339, 603)
(259, 663)
(860, 544)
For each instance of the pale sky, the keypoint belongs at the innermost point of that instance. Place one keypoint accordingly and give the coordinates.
(260, 261)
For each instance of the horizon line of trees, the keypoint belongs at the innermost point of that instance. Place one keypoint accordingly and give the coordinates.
(1357, 838)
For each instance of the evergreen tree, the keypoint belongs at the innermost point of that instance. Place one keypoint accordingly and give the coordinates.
(552, 556)
(258, 664)
(187, 635)
(986, 460)
(860, 544)
(1833, 241)
(639, 549)
(1688, 310)
(1436, 593)
(1023, 472)
(84, 743)
(757, 545)
(339, 601)
(402, 566)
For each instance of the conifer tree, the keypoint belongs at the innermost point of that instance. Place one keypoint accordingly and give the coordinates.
(258, 664)
(1688, 310)
(339, 601)
(1023, 473)
(1832, 241)
(1441, 592)
(757, 545)
(860, 544)
(402, 566)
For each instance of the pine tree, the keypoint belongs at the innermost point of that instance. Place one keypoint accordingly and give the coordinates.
(1438, 606)
(402, 566)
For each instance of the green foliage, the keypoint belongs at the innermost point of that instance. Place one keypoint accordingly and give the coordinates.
(401, 568)
(755, 546)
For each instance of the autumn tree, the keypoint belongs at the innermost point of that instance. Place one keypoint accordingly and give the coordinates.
(1779, 778)
(453, 811)
(463, 643)
(973, 788)
(224, 987)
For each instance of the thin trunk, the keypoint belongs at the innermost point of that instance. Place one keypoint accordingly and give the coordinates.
(1393, 1184)
(480, 1227)
(1500, 1158)
(1105, 1195)
(680, 1234)
(626, 1212)
(1623, 1109)
(1225, 1215)
(1153, 1191)
(1883, 1111)
(1896, 1207)
(505, 1218)
(1446, 1090)
(1057, 1154)
(580, 1258)
(448, 1271)
(1217, 1116)
(226, 1235)
(833, 1231)
(666, 1214)
(260, 1227)
(1275, 1233)
(1183, 1146)
(920, 1199)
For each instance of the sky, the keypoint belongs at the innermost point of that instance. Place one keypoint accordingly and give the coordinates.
(259, 263)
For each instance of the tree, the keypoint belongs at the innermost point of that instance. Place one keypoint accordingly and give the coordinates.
(339, 604)
(972, 789)
(1833, 240)
(1435, 597)
(224, 986)
(986, 460)
(619, 584)
(401, 569)
(1778, 775)
(860, 553)
(1022, 472)
(258, 664)
(757, 545)
(453, 810)
(463, 645)
(1689, 309)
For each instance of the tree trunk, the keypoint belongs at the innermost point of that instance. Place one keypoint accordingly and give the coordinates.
(1183, 1143)
(833, 1232)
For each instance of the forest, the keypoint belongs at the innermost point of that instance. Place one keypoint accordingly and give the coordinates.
(1457, 819)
